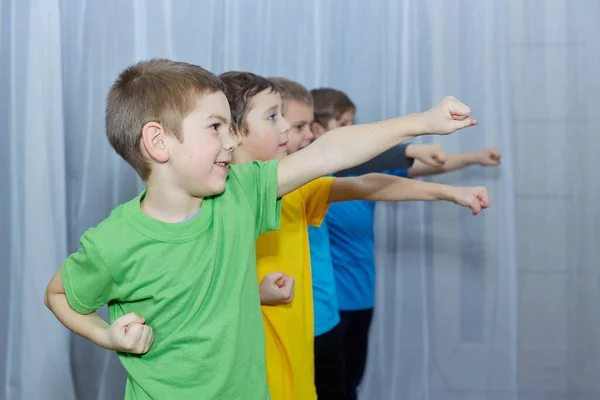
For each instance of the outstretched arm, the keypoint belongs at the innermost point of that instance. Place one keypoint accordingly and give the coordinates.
(400, 157)
(487, 157)
(346, 147)
(381, 187)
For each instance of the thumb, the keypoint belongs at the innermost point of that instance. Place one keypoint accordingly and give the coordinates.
(483, 198)
(465, 123)
(284, 281)
(440, 157)
(456, 107)
(475, 206)
(275, 276)
(129, 319)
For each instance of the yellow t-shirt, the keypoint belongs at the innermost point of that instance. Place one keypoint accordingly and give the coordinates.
(289, 329)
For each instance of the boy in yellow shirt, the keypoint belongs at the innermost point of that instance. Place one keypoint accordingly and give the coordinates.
(261, 132)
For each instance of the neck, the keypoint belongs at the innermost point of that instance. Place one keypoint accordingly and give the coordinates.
(239, 156)
(168, 204)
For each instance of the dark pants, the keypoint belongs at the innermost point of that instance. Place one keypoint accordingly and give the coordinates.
(355, 341)
(329, 365)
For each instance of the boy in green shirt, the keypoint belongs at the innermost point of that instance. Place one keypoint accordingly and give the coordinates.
(178, 261)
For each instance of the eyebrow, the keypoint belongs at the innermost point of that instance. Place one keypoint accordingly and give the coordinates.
(220, 118)
(270, 110)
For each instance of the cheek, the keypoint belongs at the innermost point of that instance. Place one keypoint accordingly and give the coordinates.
(207, 152)
(294, 136)
(307, 134)
(274, 138)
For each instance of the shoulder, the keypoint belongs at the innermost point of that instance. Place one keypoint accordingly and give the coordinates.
(318, 186)
(239, 173)
(111, 235)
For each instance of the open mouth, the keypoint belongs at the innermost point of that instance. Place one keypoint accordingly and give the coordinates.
(223, 165)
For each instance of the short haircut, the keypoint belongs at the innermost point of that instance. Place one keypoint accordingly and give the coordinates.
(158, 90)
(292, 90)
(240, 89)
(330, 104)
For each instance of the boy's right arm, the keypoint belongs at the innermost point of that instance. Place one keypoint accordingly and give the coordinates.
(127, 334)
(401, 157)
(395, 158)
(353, 145)
(487, 157)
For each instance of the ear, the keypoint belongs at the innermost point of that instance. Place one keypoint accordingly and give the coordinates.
(154, 141)
(317, 129)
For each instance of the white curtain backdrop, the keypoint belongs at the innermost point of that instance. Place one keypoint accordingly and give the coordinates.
(497, 307)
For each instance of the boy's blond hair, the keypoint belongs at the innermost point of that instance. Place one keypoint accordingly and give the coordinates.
(330, 104)
(158, 90)
(292, 90)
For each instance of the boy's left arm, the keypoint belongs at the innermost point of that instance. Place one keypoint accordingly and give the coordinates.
(380, 187)
(453, 162)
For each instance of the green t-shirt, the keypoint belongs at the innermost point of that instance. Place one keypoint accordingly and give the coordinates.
(195, 283)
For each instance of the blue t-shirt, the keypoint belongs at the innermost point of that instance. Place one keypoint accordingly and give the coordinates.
(324, 296)
(352, 245)
(326, 310)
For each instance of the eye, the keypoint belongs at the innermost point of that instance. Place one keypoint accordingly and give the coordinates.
(300, 127)
(272, 117)
(216, 126)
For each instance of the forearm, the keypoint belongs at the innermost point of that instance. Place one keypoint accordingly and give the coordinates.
(344, 148)
(379, 187)
(395, 158)
(453, 163)
(90, 326)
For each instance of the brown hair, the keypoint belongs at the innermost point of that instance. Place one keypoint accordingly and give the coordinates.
(240, 88)
(157, 90)
(292, 90)
(330, 104)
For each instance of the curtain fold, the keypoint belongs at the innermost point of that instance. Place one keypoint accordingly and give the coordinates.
(498, 306)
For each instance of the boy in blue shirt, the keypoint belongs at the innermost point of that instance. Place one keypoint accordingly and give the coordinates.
(352, 253)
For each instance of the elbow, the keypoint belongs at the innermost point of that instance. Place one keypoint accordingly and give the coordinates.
(47, 299)
(49, 296)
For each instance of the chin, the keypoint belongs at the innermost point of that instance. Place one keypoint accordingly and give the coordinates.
(282, 152)
(217, 186)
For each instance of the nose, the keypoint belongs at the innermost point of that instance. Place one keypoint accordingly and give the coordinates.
(308, 133)
(229, 143)
(285, 125)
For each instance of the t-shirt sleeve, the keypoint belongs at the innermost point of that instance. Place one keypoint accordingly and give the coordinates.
(86, 279)
(402, 173)
(259, 181)
(315, 195)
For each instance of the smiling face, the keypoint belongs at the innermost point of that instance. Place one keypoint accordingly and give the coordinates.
(263, 133)
(199, 163)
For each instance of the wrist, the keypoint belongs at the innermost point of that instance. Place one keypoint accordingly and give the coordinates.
(474, 158)
(101, 336)
(446, 193)
(412, 125)
(422, 123)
